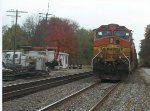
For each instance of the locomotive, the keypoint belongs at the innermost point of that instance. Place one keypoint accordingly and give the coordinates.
(114, 52)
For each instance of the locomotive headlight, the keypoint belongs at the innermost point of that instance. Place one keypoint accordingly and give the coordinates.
(119, 57)
(111, 40)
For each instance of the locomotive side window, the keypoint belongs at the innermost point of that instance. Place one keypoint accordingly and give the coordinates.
(122, 33)
(103, 33)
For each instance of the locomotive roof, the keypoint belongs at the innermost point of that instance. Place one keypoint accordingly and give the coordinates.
(112, 27)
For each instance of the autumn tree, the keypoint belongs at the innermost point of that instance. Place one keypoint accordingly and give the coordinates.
(66, 35)
(59, 32)
(145, 47)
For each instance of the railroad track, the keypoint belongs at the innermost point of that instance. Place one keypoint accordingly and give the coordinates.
(100, 102)
(19, 90)
(55, 105)
(52, 106)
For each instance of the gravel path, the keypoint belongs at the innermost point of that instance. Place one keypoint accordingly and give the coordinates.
(132, 95)
(146, 70)
(146, 74)
(40, 99)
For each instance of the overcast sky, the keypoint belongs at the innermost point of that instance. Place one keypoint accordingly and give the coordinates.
(90, 14)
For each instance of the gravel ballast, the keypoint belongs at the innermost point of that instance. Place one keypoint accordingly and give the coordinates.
(85, 101)
(131, 95)
(40, 99)
(52, 74)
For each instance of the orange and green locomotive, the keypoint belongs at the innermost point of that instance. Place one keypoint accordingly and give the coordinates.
(114, 52)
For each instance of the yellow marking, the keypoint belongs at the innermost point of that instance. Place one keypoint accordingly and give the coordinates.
(111, 49)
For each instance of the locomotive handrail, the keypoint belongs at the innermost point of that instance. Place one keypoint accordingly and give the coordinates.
(96, 56)
(127, 59)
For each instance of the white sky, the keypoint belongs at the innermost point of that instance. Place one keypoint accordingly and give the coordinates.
(90, 14)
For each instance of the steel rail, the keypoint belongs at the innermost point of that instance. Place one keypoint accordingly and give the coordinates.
(33, 83)
(18, 90)
(54, 105)
(99, 103)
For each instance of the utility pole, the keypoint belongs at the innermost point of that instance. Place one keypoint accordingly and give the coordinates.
(47, 11)
(44, 21)
(14, 37)
(46, 14)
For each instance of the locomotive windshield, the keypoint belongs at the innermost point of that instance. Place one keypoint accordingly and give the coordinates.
(122, 33)
(103, 33)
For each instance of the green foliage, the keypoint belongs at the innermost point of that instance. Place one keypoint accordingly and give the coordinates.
(145, 48)
(4, 29)
(85, 46)
(8, 37)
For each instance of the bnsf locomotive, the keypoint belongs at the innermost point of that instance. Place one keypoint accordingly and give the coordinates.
(114, 52)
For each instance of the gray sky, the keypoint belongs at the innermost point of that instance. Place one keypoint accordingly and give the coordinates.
(90, 14)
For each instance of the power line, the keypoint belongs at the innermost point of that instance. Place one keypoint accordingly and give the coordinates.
(14, 38)
(13, 16)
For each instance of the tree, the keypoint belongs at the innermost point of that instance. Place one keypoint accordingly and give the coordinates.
(4, 29)
(57, 32)
(85, 45)
(145, 47)
(147, 32)
(61, 33)
(8, 41)
(30, 26)
(41, 31)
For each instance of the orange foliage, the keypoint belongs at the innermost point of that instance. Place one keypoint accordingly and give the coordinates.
(61, 34)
